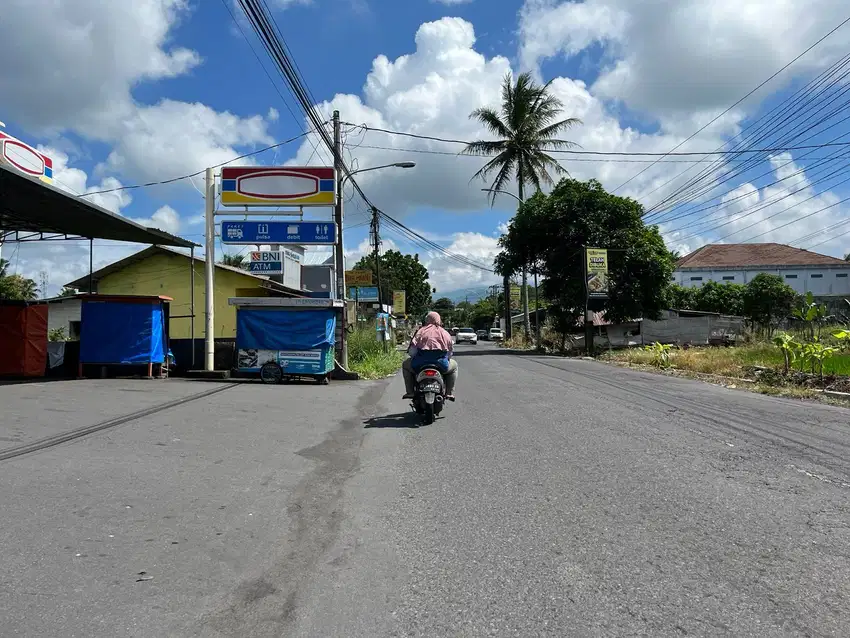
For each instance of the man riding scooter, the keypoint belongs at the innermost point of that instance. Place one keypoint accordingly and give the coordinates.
(431, 344)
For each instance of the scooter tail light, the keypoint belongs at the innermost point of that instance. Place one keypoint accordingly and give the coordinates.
(430, 373)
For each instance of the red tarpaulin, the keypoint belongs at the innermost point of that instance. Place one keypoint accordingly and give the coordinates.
(23, 340)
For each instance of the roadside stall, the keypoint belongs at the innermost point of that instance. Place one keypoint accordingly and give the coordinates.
(126, 331)
(281, 339)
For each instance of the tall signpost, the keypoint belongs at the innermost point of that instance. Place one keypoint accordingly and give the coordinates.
(596, 281)
(258, 187)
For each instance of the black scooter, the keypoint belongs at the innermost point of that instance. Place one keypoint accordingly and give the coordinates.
(429, 395)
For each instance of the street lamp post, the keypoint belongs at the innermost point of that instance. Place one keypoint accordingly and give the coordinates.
(342, 179)
(508, 326)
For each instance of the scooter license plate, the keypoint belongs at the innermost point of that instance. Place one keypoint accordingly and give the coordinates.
(430, 387)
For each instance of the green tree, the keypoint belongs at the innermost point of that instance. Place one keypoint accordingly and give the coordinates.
(67, 292)
(578, 214)
(443, 305)
(712, 296)
(681, 297)
(234, 259)
(526, 126)
(401, 272)
(18, 287)
(4, 267)
(767, 301)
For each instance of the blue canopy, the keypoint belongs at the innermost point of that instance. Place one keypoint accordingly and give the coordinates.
(275, 329)
(122, 332)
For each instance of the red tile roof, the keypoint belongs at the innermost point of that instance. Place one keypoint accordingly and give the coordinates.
(755, 255)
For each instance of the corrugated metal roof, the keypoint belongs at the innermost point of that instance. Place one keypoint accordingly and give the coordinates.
(755, 256)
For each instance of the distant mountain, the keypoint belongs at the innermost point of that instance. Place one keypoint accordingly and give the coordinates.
(464, 294)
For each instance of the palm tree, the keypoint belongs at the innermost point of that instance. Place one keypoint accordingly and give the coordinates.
(233, 259)
(527, 126)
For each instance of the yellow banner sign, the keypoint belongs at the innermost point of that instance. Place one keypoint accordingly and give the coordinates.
(358, 277)
(399, 302)
(597, 272)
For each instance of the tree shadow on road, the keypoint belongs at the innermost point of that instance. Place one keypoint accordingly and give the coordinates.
(409, 420)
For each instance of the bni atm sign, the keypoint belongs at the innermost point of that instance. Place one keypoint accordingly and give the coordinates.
(266, 262)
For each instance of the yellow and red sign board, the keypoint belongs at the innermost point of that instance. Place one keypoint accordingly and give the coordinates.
(399, 302)
(358, 277)
(278, 186)
(25, 158)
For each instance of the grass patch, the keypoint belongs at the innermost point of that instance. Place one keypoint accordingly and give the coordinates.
(366, 355)
(728, 362)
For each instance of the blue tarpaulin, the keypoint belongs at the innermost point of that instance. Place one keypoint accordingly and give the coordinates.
(263, 329)
(122, 332)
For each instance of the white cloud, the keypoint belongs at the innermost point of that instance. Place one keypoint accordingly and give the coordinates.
(453, 2)
(783, 212)
(165, 218)
(176, 138)
(673, 56)
(75, 71)
(75, 181)
(76, 65)
(433, 90)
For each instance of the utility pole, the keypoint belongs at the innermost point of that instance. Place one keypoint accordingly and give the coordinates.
(339, 249)
(376, 242)
(376, 237)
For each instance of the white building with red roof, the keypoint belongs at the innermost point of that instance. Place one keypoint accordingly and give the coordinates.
(803, 270)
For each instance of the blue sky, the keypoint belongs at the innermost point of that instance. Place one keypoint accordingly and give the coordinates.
(159, 88)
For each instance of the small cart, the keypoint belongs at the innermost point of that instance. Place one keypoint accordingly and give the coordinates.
(284, 339)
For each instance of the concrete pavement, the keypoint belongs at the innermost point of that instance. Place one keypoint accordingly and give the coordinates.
(556, 498)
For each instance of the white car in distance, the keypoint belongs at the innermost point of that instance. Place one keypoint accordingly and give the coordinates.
(466, 335)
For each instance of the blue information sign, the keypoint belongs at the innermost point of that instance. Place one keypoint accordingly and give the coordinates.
(368, 293)
(267, 267)
(303, 233)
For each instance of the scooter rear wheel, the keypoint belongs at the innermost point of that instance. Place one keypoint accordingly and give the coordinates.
(428, 417)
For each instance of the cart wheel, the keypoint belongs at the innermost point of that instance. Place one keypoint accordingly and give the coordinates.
(325, 379)
(271, 373)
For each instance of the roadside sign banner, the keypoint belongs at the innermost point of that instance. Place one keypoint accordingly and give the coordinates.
(25, 158)
(597, 272)
(358, 277)
(399, 301)
(266, 267)
(278, 186)
(316, 233)
(516, 296)
(266, 255)
(367, 294)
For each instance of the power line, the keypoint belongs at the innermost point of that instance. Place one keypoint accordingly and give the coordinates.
(777, 149)
(203, 170)
(424, 151)
(786, 113)
(700, 130)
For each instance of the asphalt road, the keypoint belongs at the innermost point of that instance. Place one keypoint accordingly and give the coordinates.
(556, 498)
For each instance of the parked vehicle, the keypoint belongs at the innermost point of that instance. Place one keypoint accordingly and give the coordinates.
(466, 335)
(497, 334)
(482, 335)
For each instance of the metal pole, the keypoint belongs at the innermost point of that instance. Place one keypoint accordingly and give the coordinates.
(209, 271)
(340, 250)
(536, 309)
(91, 265)
(508, 329)
(192, 303)
(588, 314)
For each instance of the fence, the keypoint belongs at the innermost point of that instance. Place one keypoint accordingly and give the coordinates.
(694, 329)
